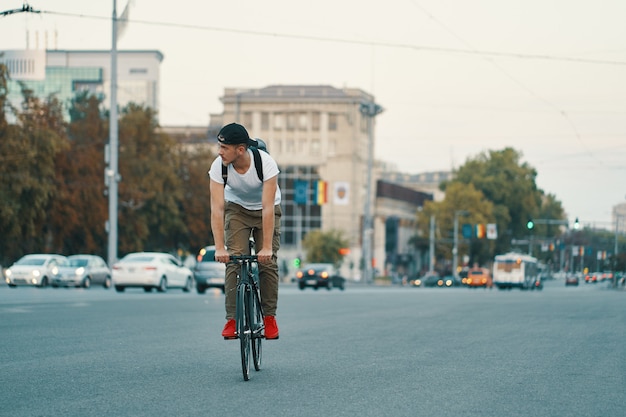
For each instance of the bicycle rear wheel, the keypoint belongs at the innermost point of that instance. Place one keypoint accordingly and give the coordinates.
(256, 316)
(243, 329)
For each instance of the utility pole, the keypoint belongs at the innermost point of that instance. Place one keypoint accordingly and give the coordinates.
(431, 255)
(455, 249)
(369, 110)
(111, 174)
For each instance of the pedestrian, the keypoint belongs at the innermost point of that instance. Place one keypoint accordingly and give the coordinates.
(241, 202)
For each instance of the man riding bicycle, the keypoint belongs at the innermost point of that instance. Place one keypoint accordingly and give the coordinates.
(240, 202)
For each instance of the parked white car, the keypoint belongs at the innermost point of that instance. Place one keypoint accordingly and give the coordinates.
(35, 270)
(150, 270)
(83, 271)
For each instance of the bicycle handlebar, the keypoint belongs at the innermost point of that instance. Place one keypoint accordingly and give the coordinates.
(240, 258)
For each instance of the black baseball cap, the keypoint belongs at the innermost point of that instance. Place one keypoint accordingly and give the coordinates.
(233, 134)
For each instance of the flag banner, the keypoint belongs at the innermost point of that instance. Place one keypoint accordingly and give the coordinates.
(492, 231)
(341, 193)
(301, 191)
(320, 193)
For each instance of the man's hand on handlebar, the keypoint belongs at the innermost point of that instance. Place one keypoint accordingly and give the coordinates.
(221, 255)
(265, 255)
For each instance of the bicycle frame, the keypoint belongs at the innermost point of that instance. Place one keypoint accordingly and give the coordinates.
(249, 313)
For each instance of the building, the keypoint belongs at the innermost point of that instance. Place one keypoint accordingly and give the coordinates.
(319, 137)
(64, 73)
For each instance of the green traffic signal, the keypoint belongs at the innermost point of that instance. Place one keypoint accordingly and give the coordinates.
(296, 262)
(530, 224)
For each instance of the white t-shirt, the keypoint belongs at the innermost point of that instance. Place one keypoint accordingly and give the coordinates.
(246, 189)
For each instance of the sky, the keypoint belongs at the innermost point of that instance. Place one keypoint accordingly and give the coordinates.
(456, 78)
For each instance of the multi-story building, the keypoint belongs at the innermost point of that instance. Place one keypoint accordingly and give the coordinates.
(64, 73)
(319, 137)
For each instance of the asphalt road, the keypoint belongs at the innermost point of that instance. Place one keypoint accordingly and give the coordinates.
(365, 351)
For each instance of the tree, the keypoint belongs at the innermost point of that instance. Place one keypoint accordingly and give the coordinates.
(510, 185)
(79, 211)
(459, 197)
(150, 192)
(31, 181)
(196, 198)
(324, 246)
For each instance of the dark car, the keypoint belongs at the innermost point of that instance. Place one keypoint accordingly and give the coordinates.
(208, 273)
(430, 280)
(318, 275)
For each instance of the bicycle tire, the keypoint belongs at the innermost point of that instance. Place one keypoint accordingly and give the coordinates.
(243, 331)
(257, 334)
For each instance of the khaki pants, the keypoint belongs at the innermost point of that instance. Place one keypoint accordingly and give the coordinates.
(238, 222)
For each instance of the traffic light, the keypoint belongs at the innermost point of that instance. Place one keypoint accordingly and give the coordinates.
(576, 224)
(530, 225)
(296, 262)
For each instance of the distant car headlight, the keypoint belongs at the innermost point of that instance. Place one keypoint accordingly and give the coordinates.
(36, 273)
(448, 283)
(55, 270)
(8, 273)
(80, 271)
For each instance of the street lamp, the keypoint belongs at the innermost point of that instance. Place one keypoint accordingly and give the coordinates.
(455, 250)
(369, 110)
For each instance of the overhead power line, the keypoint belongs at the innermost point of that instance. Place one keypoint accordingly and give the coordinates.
(25, 9)
(356, 41)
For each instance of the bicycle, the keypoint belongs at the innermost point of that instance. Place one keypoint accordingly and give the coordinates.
(249, 313)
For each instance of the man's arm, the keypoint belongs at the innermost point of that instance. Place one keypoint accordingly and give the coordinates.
(269, 192)
(217, 221)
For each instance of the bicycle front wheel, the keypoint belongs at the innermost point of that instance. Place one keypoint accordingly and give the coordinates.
(243, 330)
(256, 315)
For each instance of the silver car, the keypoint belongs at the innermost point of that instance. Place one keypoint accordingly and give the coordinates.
(34, 270)
(83, 271)
(208, 273)
(150, 270)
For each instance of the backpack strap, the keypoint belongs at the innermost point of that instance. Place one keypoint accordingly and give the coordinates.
(224, 174)
(257, 164)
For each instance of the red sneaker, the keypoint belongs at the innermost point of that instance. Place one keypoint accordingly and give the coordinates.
(230, 329)
(271, 328)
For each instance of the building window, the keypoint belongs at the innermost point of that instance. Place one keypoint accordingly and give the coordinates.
(265, 120)
(247, 119)
(315, 147)
(290, 146)
(278, 121)
(278, 146)
(315, 121)
(302, 121)
(298, 220)
(332, 121)
(332, 145)
(291, 121)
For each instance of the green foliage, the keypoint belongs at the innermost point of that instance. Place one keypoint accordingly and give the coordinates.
(324, 246)
(196, 198)
(52, 187)
(494, 187)
(150, 192)
(29, 180)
